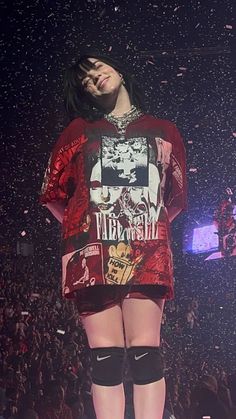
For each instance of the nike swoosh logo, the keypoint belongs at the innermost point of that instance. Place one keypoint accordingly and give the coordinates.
(140, 356)
(101, 358)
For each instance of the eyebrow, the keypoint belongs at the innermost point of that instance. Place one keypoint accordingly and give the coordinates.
(85, 70)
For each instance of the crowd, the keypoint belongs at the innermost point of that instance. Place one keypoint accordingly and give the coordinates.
(44, 357)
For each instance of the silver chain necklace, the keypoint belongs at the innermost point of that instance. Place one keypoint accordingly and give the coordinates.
(121, 122)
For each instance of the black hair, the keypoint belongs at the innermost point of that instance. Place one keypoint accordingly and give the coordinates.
(78, 103)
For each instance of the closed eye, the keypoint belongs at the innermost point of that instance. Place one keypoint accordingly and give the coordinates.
(98, 65)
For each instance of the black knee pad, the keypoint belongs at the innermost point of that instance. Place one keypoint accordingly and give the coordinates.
(107, 366)
(146, 365)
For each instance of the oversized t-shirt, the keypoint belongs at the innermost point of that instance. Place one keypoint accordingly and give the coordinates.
(117, 191)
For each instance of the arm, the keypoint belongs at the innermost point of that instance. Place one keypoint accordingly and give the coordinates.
(57, 208)
(176, 200)
(173, 212)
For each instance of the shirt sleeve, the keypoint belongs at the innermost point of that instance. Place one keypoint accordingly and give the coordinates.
(58, 178)
(176, 189)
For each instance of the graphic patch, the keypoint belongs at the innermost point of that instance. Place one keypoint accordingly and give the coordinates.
(125, 191)
(120, 264)
(84, 267)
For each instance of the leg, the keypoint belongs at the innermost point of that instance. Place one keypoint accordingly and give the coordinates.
(104, 330)
(142, 322)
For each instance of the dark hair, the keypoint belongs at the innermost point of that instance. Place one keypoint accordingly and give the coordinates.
(78, 103)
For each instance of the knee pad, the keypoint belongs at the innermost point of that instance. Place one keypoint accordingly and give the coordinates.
(146, 365)
(107, 365)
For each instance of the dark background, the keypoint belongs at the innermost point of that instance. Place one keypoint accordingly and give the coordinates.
(181, 53)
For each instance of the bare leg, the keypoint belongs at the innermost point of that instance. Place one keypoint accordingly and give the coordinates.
(142, 321)
(105, 329)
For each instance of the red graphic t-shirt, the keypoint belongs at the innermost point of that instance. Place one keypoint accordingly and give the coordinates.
(117, 190)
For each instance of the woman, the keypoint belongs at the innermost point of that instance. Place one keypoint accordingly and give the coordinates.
(116, 179)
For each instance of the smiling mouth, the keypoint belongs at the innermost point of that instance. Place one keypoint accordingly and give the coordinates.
(103, 83)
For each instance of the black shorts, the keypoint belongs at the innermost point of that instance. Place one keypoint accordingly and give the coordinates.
(97, 298)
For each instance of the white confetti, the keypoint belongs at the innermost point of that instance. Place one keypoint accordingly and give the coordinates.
(228, 26)
(23, 233)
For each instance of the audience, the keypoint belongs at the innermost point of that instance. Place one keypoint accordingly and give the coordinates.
(45, 363)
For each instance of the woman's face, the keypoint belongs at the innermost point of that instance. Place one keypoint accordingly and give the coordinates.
(103, 197)
(102, 80)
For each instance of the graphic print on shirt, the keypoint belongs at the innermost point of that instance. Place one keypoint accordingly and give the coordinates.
(125, 191)
(124, 163)
(121, 264)
(84, 267)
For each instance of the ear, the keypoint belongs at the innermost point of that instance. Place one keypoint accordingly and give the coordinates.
(122, 78)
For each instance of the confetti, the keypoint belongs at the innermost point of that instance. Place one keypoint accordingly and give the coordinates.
(61, 332)
(40, 41)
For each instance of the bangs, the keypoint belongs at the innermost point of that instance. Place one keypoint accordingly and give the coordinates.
(84, 66)
(77, 100)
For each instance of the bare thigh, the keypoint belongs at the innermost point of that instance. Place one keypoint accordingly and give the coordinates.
(105, 329)
(142, 321)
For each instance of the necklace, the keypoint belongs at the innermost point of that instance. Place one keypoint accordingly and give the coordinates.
(121, 122)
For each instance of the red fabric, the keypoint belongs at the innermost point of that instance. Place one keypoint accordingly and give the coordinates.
(152, 152)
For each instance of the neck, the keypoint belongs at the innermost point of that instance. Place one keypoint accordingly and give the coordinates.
(121, 105)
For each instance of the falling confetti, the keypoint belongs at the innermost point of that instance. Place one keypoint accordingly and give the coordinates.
(183, 63)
